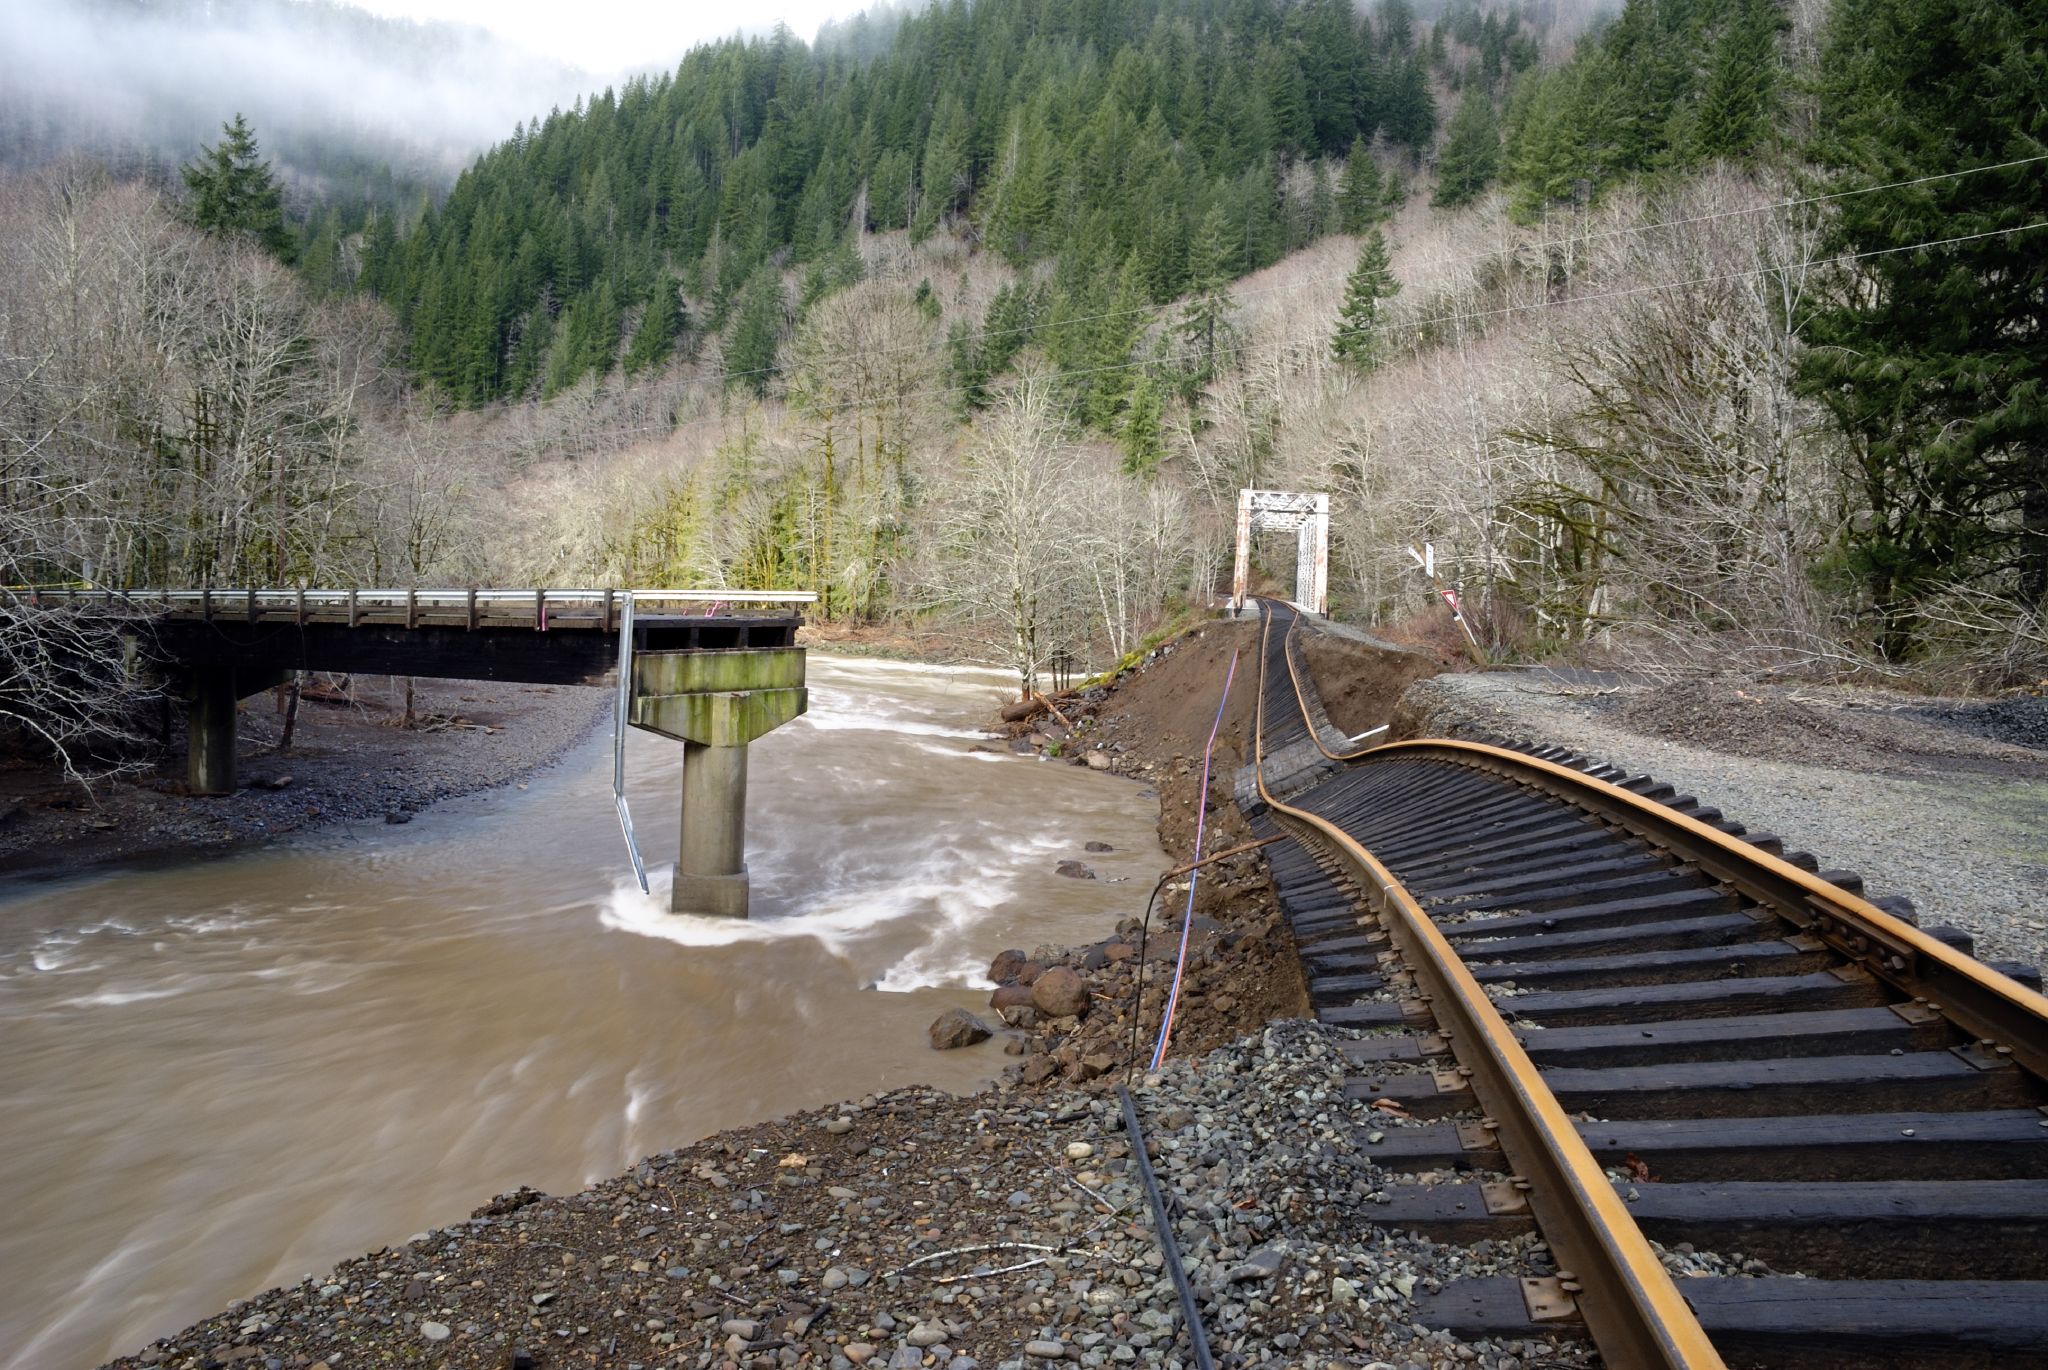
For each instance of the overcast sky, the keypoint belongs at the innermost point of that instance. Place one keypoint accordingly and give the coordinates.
(609, 36)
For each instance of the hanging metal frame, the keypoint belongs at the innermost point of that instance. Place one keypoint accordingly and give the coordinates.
(625, 704)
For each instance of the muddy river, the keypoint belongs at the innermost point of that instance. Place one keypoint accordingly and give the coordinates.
(223, 1076)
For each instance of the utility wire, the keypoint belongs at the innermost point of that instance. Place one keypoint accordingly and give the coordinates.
(1321, 278)
(1412, 326)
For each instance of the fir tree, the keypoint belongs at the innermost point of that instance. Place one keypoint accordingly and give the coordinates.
(233, 193)
(1931, 359)
(756, 331)
(1411, 110)
(1205, 319)
(661, 323)
(1471, 155)
(1737, 106)
(1358, 191)
(1359, 343)
(1138, 436)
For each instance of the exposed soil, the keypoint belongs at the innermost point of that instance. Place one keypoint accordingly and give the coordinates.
(1361, 678)
(349, 762)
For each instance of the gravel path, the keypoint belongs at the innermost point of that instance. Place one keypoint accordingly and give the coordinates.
(1963, 833)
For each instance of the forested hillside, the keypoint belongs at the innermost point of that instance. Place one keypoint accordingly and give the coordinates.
(1710, 338)
(1112, 137)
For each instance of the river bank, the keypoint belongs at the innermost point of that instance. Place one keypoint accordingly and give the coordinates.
(223, 1074)
(920, 1227)
(350, 763)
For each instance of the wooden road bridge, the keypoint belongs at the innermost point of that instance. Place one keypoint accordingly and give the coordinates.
(712, 669)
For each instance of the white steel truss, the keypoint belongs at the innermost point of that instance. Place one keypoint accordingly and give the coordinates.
(1307, 516)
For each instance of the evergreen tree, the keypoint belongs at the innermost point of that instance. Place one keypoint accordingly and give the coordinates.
(1932, 360)
(1739, 102)
(233, 193)
(1138, 436)
(1358, 191)
(1471, 155)
(661, 323)
(755, 332)
(1360, 324)
(1205, 320)
(1411, 110)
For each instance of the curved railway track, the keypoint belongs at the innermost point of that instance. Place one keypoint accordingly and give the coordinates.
(1665, 1029)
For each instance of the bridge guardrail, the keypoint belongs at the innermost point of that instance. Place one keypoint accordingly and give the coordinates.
(541, 609)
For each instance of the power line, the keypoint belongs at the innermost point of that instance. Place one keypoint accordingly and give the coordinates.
(1542, 245)
(1417, 325)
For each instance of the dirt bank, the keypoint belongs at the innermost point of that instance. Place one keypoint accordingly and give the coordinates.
(350, 762)
(1153, 724)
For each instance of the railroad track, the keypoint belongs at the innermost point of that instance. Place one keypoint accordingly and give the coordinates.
(1664, 1029)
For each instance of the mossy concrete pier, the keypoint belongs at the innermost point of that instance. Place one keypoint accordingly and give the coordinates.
(714, 700)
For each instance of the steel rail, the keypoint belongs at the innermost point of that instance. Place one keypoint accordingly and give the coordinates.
(1630, 1304)
(1995, 1009)
(1301, 698)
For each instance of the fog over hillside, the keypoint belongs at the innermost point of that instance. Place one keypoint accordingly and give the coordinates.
(141, 80)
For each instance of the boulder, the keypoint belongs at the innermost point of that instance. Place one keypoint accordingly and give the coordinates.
(1028, 972)
(1060, 993)
(1003, 970)
(1073, 870)
(1098, 761)
(1119, 951)
(956, 1027)
(1039, 1068)
(1010, 996)
(1098, 847)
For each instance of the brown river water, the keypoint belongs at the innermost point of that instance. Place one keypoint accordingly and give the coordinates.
(226, 1075)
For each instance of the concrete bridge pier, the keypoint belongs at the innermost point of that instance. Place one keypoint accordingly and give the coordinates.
(210, 732)
(711, 870)
(715, 703)
(211, 693)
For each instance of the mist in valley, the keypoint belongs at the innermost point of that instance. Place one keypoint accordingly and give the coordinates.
(143, 84)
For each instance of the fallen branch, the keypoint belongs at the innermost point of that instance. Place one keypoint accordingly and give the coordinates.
(1054, 710)
(968, 1251)
(985, 1274)
(1106, 1203)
